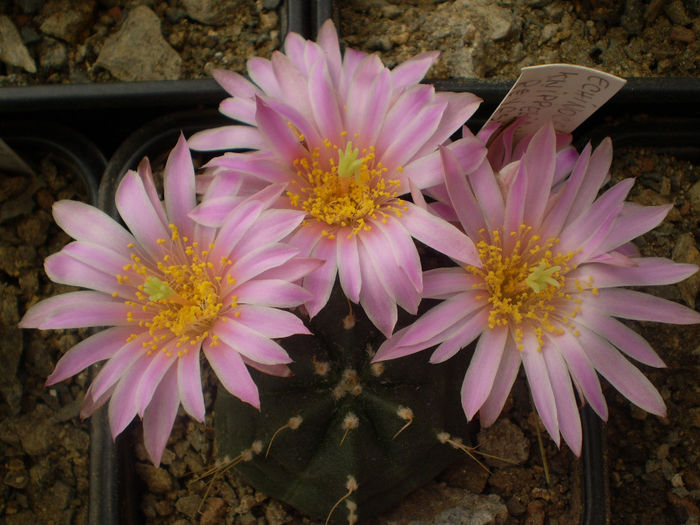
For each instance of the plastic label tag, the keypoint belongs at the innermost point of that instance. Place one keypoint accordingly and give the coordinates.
(563, 93)
(10, 161)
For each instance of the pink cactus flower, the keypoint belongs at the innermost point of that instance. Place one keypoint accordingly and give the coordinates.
(168, 288)
(348, 137)
(547, 290)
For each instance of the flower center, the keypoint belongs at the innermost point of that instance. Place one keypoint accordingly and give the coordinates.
(344, 187)
(525, 284)
(180, 299)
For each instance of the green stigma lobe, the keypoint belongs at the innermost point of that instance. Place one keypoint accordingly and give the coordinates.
(541, 276)
(348, 163)
(157, 289)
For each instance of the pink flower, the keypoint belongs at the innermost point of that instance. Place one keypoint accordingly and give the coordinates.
(169, 288)
(348, 137)
(546, 291)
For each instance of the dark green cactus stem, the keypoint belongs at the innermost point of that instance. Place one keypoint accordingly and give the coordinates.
(374, 425)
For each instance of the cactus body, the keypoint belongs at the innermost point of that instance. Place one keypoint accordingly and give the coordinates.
(375, 423)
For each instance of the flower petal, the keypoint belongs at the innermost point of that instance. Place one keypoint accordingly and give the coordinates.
(271, 292)
(159, 416)
(482, 369)
(639, 306)
(97, 347)
(349, 266)
(87, 223)
(226, 138)
(232, 372)
(178, 184)
(271, 322)
(76, 310)
(189, 385)
(502, 384)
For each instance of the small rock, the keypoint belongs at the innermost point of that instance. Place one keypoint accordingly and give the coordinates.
(682, 34)
(66, 19)
(37, 431)
(676, 13)
(685, 251)
(475, 509)
(188, 505)
(632, 19)
(157, 479)
(138, 50)
(16, 476)
(500, 28)
(173, 15)
(535, 513)
(653, 10)
(29, 35)
(549, 31)
(662, 451)
(379, 43)
(12, 50)
(504, 440)
(391, 11)
(270, 4)
(52, 54)
(213, 12)
(214, 512)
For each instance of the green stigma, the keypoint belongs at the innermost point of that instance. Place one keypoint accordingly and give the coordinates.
(541, 276)
(157, 289)
(348, 163)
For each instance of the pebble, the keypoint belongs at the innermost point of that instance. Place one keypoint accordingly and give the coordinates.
(212, 12)
(676, 13)
(682, 34)
(66, 19)
(157, 479)
(52, 54)
(474, 509)
(188, 505)
(12, 51)
(505, 440)
(138, 50)
(549, 30)
(391, 11)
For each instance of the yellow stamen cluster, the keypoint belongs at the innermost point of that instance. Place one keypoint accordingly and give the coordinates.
(343, 187)
(524, 281)
(182, 299)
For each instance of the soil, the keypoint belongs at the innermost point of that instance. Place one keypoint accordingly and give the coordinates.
(652, 462)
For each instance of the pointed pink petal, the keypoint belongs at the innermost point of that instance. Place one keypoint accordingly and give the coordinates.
(596, 174)
(277, 133)
(582, 372)
(271, 292)
(540, 385)
(293, 82)
(261, 72)
(623, 337)
(467, 332)
(515, 207)
(213, 211)
(639, 306)
(647, 271)
(240, 109)
(328, 40)
(413, 70)
(461, 196)
(502, 384)
(61, 268)
(257, 261)
(225, 138)
(189, 385)
(633, 222)
(271, 322)
(159, 416)
(235, 84)
(402, 248)
(440, 235)
(442, 283)
(488, 194)
(482, 369)
(250, 343)
(319, 284)
(324, 103)
(273, 370)
(272, 226)
(539, 163)
(376, 301)
(408, 140)
(146, 176)
(621, 374)
(293, 270)
(86, 223)
(120, 361)
(460, 106)
(139, 214)
(567, 409)
(76, 310)
(232, 372)
(154, 370)
(124, 405)
(178, 184)
(97, 347)
(270, 170)
(349, 266)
